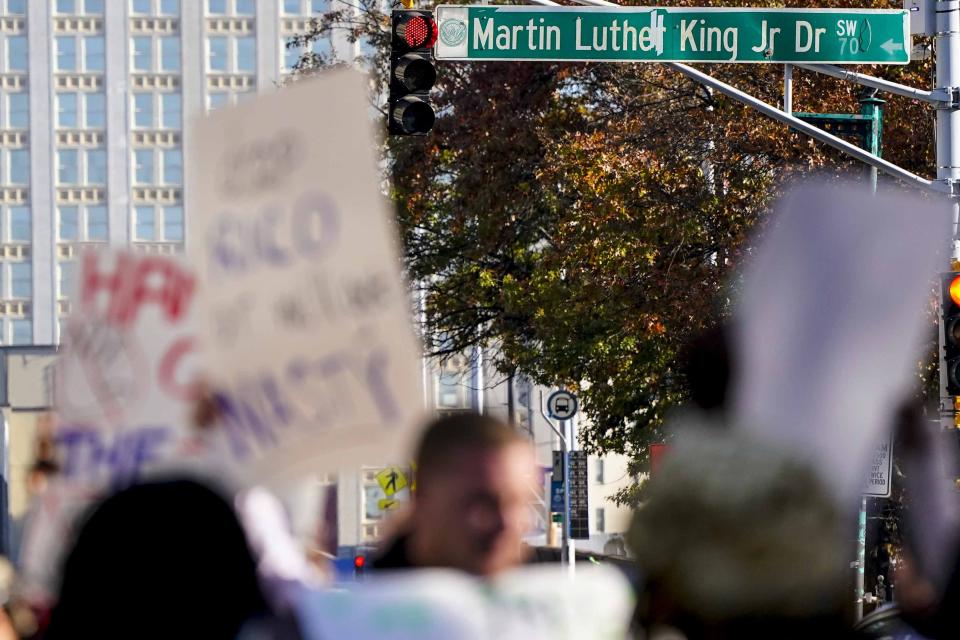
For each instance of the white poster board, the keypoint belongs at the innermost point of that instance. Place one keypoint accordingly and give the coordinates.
(123, 394)
(305, 320)
(838, 272)
(125, 376)
(535, 603)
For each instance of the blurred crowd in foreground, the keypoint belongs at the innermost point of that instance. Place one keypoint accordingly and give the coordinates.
(737, 539)
(745, 531)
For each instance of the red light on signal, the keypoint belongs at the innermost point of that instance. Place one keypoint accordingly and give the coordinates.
(419, 32)
(359, 561)
(955, 290)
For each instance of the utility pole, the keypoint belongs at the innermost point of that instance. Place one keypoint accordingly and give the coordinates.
(948, 115)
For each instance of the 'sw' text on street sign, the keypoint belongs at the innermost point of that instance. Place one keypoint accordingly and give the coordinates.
(637, 34)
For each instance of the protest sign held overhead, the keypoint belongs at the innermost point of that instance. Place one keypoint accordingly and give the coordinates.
(818, 371)
(124, 378)
(304, 315)
(123, 393)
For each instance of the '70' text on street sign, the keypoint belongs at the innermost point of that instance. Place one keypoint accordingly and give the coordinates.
(638, 34)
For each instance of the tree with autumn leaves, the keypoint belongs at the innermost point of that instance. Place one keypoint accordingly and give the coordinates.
(586, 219)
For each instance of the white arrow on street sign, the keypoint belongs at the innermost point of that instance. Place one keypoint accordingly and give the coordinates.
(562, 405)
(890, 46)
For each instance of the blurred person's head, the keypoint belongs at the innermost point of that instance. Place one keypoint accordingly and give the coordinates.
(739, 539)
(708, 367)
(471, 505)
(166, 559)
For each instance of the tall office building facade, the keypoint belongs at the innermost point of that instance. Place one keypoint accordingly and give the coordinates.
(96, 103)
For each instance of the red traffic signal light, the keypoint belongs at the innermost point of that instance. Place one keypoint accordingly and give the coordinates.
(412, 73)
(415, 29)
(359, 562)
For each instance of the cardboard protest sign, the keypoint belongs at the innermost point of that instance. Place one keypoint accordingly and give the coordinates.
(305, 320)
(123, 395)
(831, 323)
(127, 366)
(526, 604)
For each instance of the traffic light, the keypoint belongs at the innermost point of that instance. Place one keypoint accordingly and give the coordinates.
(412, 73)
(950, 316)
(359, 562)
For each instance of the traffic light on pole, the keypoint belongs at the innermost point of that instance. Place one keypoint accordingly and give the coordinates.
(412, 73)
(950, 316)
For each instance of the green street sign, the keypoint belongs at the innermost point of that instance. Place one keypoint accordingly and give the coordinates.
(657, 34)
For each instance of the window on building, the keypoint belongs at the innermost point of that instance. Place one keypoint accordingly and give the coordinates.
(170, 53)
(173, 224)
(373, 495)
(246, 54)
(244, 7)
(97, 223)
(170, 110)
(291, 7)
(601, 521)
(93, 53)
(95, 110)
(68, 7)
(68, 166)
(169, 7)
(67, 110)
(18, 110)
(21, 332)
(16, 7)
(319, 6)
(19, 169)
(217, 99)
(172, 166)
(20, 224)
(290, 54)
(93, 7)
(143, 166)
(141, 7)
(96, 166)
(142, 53)
(599, 470)
(217, 53)
(451, 392)
(216, 7)
(68, 224)
(16, 53)
(143, 110)
(144, 224)
(66, 47)
(65, 281)
(322, 46)
(21, 280)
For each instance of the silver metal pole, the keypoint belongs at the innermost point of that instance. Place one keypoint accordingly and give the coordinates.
(571, 544)
(948, 115)
(478, 380)
(877, 83)
(809, 129)
(861, 555)
(565, 556)
(786, 118)
(788, 88)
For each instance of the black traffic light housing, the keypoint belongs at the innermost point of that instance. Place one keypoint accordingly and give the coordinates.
(950, 316)
(412, 73)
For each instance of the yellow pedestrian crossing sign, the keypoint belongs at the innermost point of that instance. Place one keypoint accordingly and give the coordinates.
(387, 504)
(392, 480)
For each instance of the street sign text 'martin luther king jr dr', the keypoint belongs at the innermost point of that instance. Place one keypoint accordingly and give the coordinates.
(661, 34)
